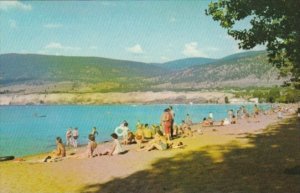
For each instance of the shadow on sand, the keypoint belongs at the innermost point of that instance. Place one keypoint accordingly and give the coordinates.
(270, 165)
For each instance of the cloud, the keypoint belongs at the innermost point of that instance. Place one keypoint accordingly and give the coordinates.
(59, 46)
(12, 23)
(53, 25)
(6, 5)
(191, 50)
(136, 49)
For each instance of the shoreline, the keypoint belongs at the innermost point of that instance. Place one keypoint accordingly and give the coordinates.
(76, 175)
(194, 127)
(149, 97)
(105, 141)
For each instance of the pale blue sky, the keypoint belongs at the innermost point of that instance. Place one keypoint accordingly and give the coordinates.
(148, 31)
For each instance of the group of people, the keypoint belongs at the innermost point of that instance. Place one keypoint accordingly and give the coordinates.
(158, 136)
(72, 136)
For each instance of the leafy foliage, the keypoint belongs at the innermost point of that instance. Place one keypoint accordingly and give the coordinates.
(273, 23)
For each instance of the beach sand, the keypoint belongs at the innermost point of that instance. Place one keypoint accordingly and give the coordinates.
(258, 155)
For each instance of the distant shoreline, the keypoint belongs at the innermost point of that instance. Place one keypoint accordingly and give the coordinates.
(165, 97)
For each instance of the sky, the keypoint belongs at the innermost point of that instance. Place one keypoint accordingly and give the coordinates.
(147, 31)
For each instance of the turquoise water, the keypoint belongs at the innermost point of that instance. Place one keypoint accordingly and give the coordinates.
(26, 130)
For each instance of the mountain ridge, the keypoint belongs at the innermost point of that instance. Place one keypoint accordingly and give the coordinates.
(48, 73)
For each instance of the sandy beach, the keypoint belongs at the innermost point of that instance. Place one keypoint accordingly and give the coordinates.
(255, 155)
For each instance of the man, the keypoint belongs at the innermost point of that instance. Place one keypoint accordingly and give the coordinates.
(172, 120)
(166, 121)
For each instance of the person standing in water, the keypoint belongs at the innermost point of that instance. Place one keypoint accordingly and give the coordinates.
(94, 132)
(75, 137)
(188, 119)
(69, 137)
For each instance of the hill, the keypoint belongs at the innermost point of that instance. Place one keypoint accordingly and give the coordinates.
(32, 73)
(36, 70)
(186, 63)
(238, 70)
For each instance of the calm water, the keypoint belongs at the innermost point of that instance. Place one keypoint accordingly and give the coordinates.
(26, 130)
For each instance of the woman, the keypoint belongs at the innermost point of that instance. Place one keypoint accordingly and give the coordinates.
(57, 154)
(159, 142)
(92, 146)
(116, 148)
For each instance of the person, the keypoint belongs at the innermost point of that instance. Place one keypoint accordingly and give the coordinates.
(147, 132)
(125, 130)
(256, 110)
(211, 122)
(139, 136)
(205, 122)
(188, 119)
(92, 146)
(172, 120)
(131, 137)
(225, 122)
(75, 137)
(230, 113)
(94, 132)
(69, 137)
(57, 154)
(211, 116)
(159, 142)
(233, 120)
(166, 121)
(116, 148)
(186, 129)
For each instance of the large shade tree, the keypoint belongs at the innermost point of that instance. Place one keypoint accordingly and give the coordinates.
(273, 23)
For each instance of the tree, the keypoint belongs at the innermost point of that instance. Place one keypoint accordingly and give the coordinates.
(274, 23)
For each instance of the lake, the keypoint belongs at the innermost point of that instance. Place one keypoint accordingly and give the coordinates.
(27, 130)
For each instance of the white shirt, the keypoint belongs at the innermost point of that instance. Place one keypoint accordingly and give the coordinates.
(118, 148)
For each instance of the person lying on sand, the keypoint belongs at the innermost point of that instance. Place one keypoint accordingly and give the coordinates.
(205, 122)
(57, 154)
(159, 142)
(116, 148)
(233, 120)
(179, 145)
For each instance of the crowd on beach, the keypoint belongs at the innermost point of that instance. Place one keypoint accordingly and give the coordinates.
(156, 136)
